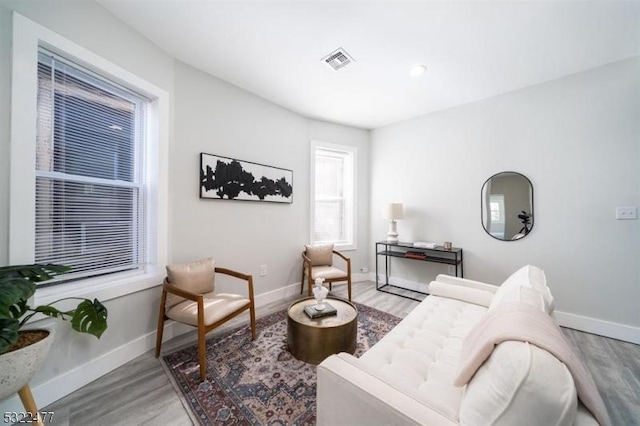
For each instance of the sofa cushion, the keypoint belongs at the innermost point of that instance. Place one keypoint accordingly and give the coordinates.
(520, 384)
(320, 255)
(528, 276)
(465, 294)
(421, 355)
(525, 295)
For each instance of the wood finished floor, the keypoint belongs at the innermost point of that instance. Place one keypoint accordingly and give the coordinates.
(139, 392)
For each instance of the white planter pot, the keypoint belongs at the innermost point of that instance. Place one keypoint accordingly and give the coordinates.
(17, 367)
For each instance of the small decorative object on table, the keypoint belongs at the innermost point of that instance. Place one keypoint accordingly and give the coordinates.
(422, 244)
(327, 310)
(447, 245)
(416, 255)
(320, 293)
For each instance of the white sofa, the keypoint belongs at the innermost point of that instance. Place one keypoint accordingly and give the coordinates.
(407, 377)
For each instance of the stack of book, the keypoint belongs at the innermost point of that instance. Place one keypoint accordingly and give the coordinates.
(328, 310)
(416, 255)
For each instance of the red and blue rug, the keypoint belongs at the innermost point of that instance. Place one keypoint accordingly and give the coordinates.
(258, 382)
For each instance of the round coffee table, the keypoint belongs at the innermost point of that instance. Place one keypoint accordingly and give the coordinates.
(312, 340)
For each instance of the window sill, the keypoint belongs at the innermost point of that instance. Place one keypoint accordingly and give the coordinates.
(345, 247)
(102, 288)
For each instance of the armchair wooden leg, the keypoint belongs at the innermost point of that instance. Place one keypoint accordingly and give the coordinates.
(163, 300)
(310, 287)
(252, 313)
(349, 287)
(30, 404)
(302, 280)
(202, 353)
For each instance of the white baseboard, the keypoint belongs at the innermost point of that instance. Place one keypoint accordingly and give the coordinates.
(591, 325)
(72, 380)
(600, 327)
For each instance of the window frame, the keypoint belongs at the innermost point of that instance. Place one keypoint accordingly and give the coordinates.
(352, 151)
(28, 37)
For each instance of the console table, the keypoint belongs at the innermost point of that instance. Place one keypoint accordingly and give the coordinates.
(438, 254)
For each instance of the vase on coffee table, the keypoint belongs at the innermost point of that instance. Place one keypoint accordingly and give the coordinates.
(320, 293)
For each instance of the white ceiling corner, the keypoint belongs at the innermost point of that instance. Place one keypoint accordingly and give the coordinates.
(472, 50)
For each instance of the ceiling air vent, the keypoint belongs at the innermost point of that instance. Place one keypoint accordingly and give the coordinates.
(338, 59)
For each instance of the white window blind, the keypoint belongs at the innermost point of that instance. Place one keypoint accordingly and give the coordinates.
(90, 211)
(333, 206)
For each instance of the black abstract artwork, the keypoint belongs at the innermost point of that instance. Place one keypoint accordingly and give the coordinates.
(228, 179)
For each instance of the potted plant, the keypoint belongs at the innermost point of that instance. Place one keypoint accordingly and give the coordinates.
(22, 351)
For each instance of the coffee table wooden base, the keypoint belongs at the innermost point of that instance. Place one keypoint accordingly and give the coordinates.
(313, 340)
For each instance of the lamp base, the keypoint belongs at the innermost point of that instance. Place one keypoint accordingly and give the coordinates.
(392, 235)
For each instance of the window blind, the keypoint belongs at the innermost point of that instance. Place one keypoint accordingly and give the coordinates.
(332, 180)
(90, 211)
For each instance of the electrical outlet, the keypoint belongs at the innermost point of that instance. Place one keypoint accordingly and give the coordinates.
(626, 213)
(263, 270)
(451, 270)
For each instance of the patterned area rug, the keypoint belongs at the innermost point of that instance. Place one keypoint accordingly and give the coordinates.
(259, 382)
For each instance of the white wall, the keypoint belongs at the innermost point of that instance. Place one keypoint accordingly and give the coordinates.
(215, 117)
(207, 115)
(5, 115)
(576, 138)
(76, 359)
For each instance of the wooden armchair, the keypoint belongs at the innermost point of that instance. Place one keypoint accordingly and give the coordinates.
(317, 262)
(189, 297)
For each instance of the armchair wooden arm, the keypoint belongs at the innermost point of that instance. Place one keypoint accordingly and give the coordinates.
(248, 278)
(170, 288)
(346, 259)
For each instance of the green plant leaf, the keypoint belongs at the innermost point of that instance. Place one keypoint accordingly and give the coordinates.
(13, 290)
(19, 309)
(90, 317)
(50, 311)
(8, 332)
(34, 273)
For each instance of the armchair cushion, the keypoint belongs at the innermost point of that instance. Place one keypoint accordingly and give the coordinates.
(216, 307)
(195, 277)
(327, 272)
(320, 255)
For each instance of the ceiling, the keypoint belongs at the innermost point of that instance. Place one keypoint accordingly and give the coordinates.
(472, 50)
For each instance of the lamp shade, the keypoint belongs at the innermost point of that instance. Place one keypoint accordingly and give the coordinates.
(393, 211)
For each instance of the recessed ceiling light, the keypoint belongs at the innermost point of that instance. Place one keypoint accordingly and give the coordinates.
(417, 70)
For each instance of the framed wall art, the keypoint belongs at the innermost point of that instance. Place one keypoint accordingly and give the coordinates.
(224, 178)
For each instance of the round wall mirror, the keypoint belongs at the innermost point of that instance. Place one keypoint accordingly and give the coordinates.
(507, 206)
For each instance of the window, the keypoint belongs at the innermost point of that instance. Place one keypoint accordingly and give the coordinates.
(89, 176)
(89, 146)
(332, 194)
(496, 204)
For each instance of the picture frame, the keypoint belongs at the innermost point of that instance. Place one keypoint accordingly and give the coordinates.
(224, 178)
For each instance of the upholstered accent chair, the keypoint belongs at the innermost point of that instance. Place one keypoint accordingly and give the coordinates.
(189, 297)
(317, 262)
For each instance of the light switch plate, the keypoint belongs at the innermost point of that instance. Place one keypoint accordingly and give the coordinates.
(626, 213)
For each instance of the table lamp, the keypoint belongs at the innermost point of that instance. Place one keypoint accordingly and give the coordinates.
(393, 211)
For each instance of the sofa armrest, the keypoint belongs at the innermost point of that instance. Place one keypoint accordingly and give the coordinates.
(347, 394)
(472, 295)
(449, 279)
